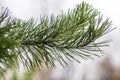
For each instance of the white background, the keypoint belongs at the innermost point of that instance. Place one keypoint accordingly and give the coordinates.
(25, 9)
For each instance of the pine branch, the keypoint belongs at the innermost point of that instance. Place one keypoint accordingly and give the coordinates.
(7, 41)
(61, 38)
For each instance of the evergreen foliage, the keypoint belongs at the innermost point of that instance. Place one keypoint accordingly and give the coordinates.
(56, 38)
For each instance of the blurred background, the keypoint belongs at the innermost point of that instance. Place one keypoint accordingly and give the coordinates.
(106, 67)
